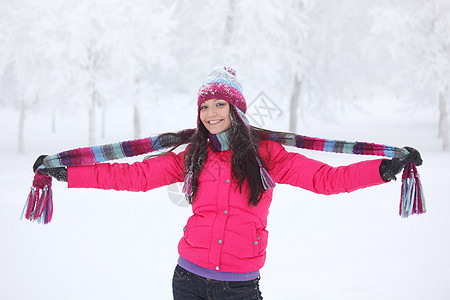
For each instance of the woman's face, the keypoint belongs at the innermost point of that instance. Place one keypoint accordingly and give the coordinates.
(215, 115)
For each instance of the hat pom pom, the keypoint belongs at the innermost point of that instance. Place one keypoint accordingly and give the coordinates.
(230, 70)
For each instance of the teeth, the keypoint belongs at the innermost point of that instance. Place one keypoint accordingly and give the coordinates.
(214, 122)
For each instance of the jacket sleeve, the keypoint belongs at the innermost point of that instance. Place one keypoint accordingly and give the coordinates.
(298, 170)
(139, 176)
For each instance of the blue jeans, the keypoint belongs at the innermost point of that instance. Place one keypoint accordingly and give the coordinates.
(188, 286)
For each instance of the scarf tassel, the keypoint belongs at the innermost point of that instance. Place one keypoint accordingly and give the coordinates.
(412, 199)
(187, 187)
(39, 204)
(267, 181)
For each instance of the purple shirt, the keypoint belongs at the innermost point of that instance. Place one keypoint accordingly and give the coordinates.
(216, 275)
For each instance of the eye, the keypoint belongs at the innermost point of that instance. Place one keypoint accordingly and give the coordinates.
(219, 104)
(203, 107)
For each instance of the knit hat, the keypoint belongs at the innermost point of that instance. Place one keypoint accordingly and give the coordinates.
(222, 84)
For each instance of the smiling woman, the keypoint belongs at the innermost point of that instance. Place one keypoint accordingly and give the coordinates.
(229, 170)
(215, 115)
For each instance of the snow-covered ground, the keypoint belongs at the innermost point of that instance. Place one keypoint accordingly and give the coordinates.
(121, 245)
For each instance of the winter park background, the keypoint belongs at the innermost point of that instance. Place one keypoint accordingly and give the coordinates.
(78, 73)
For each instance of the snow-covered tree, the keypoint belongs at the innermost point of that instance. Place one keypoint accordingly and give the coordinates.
(253, 37)
(299, 55)
(106, 51)
(284, 48)
(196, 41)
(140, 52)
(85, 53)
(418, 35)
(24, 62)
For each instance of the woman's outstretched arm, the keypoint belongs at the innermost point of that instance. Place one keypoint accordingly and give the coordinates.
(139, 176)
(298, 170)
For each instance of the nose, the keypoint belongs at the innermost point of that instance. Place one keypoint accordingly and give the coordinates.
(211, 111)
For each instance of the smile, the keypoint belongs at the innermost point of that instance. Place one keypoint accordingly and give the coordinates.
(214, 122)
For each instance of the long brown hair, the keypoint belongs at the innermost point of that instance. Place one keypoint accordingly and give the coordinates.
(243, 143)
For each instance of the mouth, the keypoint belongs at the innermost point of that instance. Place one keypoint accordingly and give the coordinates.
(214, 122)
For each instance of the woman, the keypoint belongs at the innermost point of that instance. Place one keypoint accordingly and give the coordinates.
(229, 169)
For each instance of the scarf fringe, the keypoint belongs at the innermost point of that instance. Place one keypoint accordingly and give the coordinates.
(412, 199)
(267, 181)
(39, 204)
(187, 187)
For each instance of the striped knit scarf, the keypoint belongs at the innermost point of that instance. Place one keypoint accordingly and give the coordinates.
(39, 205)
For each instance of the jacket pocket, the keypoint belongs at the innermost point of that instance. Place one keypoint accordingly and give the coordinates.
(260, 236)
(195, 235)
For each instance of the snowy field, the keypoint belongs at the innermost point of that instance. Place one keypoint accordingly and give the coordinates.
(122, 245)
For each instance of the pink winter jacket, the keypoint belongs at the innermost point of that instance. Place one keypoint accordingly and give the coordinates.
(225, 233)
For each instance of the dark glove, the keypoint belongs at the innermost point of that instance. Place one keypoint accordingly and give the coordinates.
(39, 161)
(390, 168)
(59, 173)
